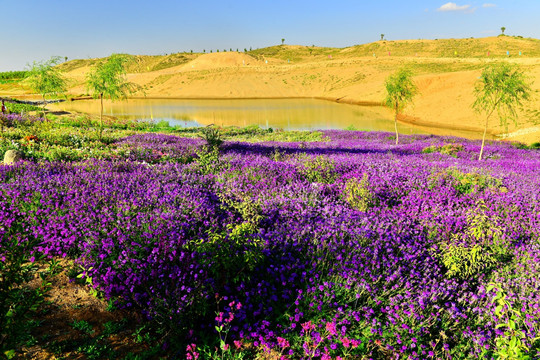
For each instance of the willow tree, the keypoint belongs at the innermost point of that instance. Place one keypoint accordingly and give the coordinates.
(400, 91)
(500, 89)
(108, 80)
(45, 79)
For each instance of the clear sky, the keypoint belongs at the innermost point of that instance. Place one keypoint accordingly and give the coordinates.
(35, 30)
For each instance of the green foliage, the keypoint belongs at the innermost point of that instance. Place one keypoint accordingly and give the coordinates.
(45, 79)
(512, 344)
(20, 108)
(83, 326)
(18, 302)
(476, 250)
(501, 88)
(233, 252)
(400, 91)
(107, 78)
(208, 161)
(9, 77)
(212, 135)
(358, 194)
(448, 149)
(319, 169)
(465, 183)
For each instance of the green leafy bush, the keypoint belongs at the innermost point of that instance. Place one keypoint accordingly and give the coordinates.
(20, 108)
(481, 246)
(448, 149)
(232, 253)
(358, 194)
(212, 136)
(464, 183)
(319, 169)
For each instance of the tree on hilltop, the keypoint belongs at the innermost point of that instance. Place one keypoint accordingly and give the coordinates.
(400, 91)
(382, 37)
(502, 30)
(501, 88)
(282, 41)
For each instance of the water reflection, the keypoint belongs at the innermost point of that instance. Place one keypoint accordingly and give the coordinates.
(287, 114)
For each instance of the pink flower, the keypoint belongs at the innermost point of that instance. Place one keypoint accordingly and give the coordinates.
(283, 343)
(237, 344)
(331, 328)
(307, 326)
(346, 342)
(219, 318)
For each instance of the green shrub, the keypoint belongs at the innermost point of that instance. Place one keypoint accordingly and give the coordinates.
(358, 194)
(20, 108)
(464, 183)
(480, 247)
(319, 169)
(212, 136)
(233, 252)
(448, 149)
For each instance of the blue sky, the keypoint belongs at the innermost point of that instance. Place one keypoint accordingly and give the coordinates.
(34, 30)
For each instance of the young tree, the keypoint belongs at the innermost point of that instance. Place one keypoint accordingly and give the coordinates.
(400, 90)
(107, 80)
(382, 37)
(501, 88)
(282, 41)
(502, 30)
(45, 79)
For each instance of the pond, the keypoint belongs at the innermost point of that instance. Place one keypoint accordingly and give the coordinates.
(287, 114)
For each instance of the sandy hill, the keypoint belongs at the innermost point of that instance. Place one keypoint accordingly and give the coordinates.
(445, 71)
(221, 60)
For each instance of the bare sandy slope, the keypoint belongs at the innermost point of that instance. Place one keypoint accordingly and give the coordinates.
(354, 75)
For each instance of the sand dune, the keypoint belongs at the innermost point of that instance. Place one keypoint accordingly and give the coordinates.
(445, 71)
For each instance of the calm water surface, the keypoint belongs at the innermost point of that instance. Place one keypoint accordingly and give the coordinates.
(287, 114)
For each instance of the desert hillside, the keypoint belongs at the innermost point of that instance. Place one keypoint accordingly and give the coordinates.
(445, 71)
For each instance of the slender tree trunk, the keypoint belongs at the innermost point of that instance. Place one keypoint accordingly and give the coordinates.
(44, 109)
(101, 116)
(395, 124)
(484, 137)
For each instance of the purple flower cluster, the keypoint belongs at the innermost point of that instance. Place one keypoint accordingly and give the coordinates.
(348, 247)
(14, 120)
(153, 148)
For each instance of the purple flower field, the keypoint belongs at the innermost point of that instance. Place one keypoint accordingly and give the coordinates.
(347, 248)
